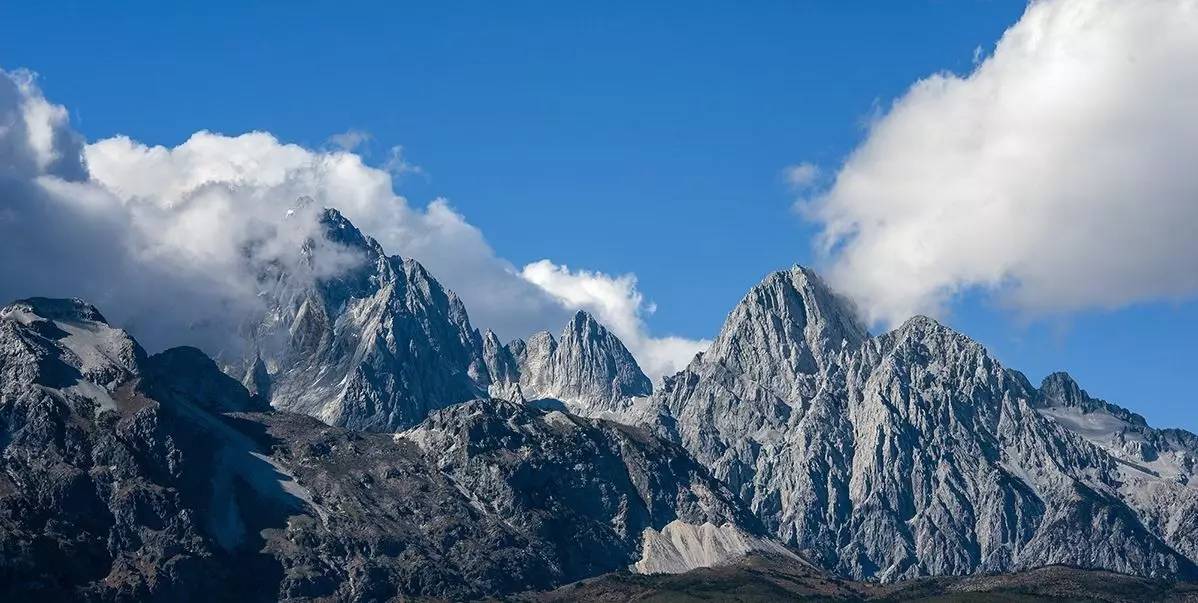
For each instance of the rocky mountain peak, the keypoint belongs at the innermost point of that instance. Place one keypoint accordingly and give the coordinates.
(916, 452)
(587, 367)
(587, 348)
(1061, 391)
(582, 322)
(68, 310)
(338, 229)
(502, 367)
(376, 343)
(926, 332)
(491, 342)
(790, 325)
(72, 336)
(366, 340)
(584, 329)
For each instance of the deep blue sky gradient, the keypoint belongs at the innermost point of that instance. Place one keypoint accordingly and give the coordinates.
(621, 137)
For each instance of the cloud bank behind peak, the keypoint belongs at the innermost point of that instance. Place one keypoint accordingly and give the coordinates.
(158, 236)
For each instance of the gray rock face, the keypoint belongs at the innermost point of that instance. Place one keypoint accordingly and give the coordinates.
(483, 498)
(587, 367)
(786, 332)
(126, 477)
(913, 453)
(591, 488)
(375, 346)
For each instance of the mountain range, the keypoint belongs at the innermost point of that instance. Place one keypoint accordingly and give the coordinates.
(371, 444)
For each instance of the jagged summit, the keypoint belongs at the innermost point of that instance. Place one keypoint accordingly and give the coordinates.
(582, 321)
(587, 367)
(920, 330)
(789, 307)
(89, 356)
(791, 323)
(921, 322)
(1061, 390)
(338, 229)
(1153, 459)
(366, 340)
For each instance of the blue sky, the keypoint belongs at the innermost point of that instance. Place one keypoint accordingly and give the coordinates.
(611, 137)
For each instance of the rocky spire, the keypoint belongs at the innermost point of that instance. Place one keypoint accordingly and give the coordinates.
(591, 363)
(587, 367)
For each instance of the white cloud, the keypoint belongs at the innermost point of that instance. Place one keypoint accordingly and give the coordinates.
(63, 235)
(211, 185)
(158, 236)
(801, 176)
(617, 303)
(34, 137)
(1058, 174)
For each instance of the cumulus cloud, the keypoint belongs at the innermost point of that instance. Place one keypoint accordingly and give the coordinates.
(1058, 175)
(165, 240)
(168, 241)
(210, 185)
(168, 245)
(617, 303)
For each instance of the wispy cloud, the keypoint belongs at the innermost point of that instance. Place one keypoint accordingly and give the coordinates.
(801, 176)
(350, 140)
(398, 165)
